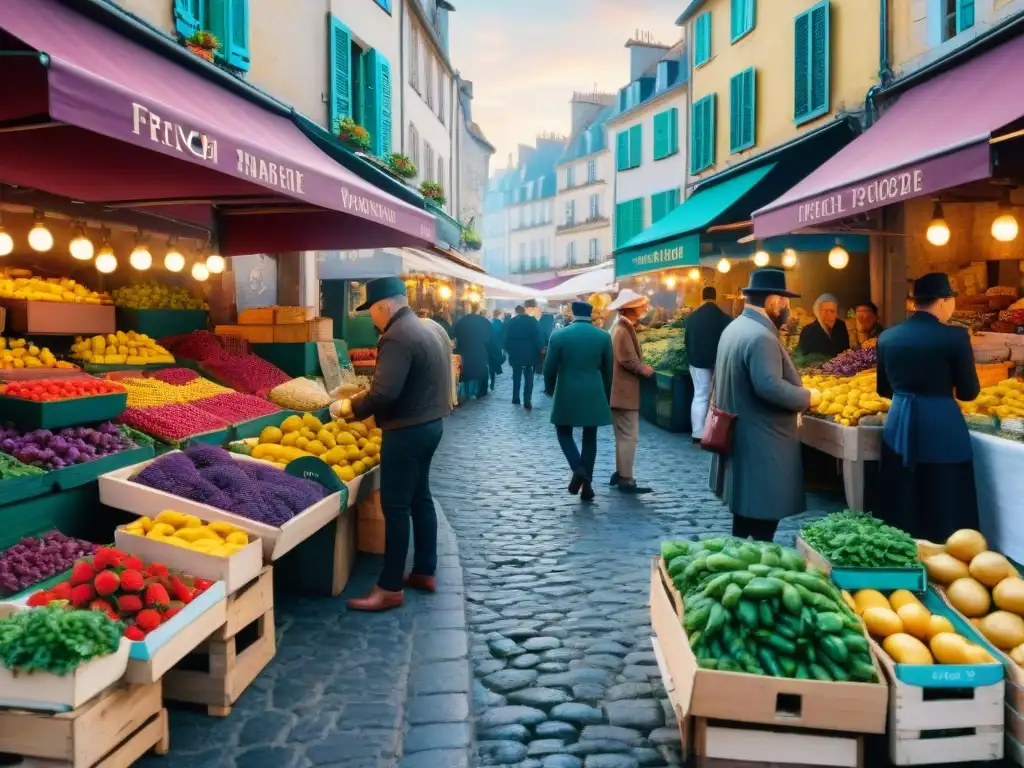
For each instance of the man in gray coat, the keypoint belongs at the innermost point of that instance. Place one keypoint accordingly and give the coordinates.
(761, 479)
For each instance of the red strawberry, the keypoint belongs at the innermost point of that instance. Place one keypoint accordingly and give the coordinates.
(131, 581)
(157, 597)
(82, 594)
(106, 557)
(134, 563)
(39, 599)
(134, 634)
(171, 612)
(129, 604)
(106, 583)
(147, 620)
(82, 573)
(158, 569)
(179, 590)
(61, 591)
(100, 605)
(202, 585)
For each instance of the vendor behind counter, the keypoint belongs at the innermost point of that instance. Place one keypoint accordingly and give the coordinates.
(826, 335)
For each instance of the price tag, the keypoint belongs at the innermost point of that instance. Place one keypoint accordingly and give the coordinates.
(312, 468)
(1019, 330)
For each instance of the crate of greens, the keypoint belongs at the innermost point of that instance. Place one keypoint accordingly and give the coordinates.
(862, 552)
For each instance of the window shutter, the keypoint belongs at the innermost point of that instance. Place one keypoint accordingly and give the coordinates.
(735, 111)
(819, 86)
(237, 42)
(660, 136)
(341, 75)
(673, 201)
(696, 136)
(638, 216)
(620, 224)
(709, 131)
(622, 151)
(702, 48)
(802, 67)
(964, 15)
(656, 209)
(187, 16)
(749, 116)
(384, 127)
(635, 146)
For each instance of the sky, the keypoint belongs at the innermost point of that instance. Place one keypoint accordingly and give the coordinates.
(526, 57)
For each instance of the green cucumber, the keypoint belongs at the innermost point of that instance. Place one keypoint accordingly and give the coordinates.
(721, 563)
(742, 578)
(767, 659)
(791, 599)
(678, 565)
(716, 619)
(777, 643)
(829, 623)
(707, 663)
(802, 671)
(759, 570)
(765, 614)
(788, 665)
(696, 618)
(762, 589)
(834, 648)
(696, 638)
(714, 544)
(835, 670)
(746, 612)
(818, 672)
(863, 672)
(770, 558)
(728, 665)
(717, 585)
(855, 642)
(731, 596)
(791, 560)
(749, 553)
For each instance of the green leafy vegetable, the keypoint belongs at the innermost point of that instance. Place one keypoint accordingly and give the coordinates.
(56, 640)
(854, 539)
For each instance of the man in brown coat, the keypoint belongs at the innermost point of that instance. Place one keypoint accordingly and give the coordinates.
(625, 398)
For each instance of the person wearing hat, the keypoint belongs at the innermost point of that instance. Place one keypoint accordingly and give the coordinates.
(704, 329)
(761, 478)
(629, 368)
(927, 467)
(523, 344)
(827, 335)
(408, 397)
(578, 375)
(474, 341)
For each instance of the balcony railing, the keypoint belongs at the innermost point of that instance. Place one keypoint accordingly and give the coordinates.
(532, 225)
(582, 185)
(588, 223)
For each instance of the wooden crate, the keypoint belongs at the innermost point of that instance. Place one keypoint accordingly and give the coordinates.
(256, 316)
(254, 334)
(320, 329)
(220, 670)
(286, 315)
(370, 525)
(113, 730)
(729, 744)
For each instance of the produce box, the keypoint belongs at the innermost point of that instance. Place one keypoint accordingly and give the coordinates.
(56, 693)
(102, 368)
(219, 437)
(87, 472)
(848, 578)
(57, 414)
(119, 491)
(160, 323)
(235, 571)
(848, 443)
(300, 359)
(48, 318)
(774, 701)
(672, 401)
(320, 329)
(254, 334)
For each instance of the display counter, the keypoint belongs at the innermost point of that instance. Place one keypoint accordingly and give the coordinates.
(1000, 488)
(853, 446)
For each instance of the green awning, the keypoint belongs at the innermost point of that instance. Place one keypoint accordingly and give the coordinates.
(674, 241)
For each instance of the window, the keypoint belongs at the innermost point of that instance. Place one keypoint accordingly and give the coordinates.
(543, 257)
(663, 203)
(431, 72)
(340, 102)
(414, 146)
(375, 100)
(811, 64)
(957, 15)
(442, 86)
(702, 134)
(742, 110)
(227, 19)
(594, 250)
(570, 177)
(360, 87)
(629, 221)
(629, 149)
(742, 20)
(570, 253)
(570, 213)
(595, 206)
(702, 41)
(591, 171)
(666, 133)
(414, 58)
(428, 162)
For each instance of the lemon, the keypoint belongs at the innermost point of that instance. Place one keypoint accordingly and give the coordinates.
(345, 438)
(371, 449)
(301, 443)
(376, 432)
(271, 435)
(307, 433)
(315, 447)
(326, 438)
(362, 441)
(311, 422)
(289, 438)
(334, 455)
(359, 467)
(291, 424)
(352, 453)
(345, 474)
(359, 428)
(259, 452)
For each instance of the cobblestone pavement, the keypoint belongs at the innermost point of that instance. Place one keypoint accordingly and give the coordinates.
(556, 590)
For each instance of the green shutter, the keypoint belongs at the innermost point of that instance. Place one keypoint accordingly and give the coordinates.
(673, 201)
(812, 64)
(237, 42)
(622, 151)
(657, 211)
(188, 15)
(660, 136)
(735, 110)
(964, 15)
(377, 101)
(742, 17)
(696, 136)
(702, 45)
(673, 130)
(340, 73)
(622, 223)
(635, 146)
(638, 216)
(708, 158)
(742, 110)
(802, 67)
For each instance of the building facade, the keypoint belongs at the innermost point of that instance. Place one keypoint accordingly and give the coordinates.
(495, 231)
(474, 152)
(531, 211)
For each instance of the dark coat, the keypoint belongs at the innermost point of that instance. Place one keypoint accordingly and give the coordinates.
(474, 339)
(497, 353)
(815, 341)
(578, 374)
(547, 326)
(523, 341)
(439, 319)
(704, 328)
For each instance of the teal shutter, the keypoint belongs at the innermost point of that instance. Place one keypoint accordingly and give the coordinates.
(622, 151)
(638, 216)
(660, 135)
(964, 15)
(820, 63)
(657, 210)
(673, 130)
(702, 45)
(735, 111)
(696, 136)
(802, 67)
(742, 18)
(621, 224)
(635, 146)
(188, 16)
(812, 63)
(377, 101)
(238, 41)
(341, 75)
(742, 110)
(673, 200)
(709, 131)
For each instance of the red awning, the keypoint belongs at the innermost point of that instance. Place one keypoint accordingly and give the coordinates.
(936, 136)
(99, 118)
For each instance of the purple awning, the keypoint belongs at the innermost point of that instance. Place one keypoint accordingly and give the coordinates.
(547, 284)
(182, 145)
(934, 137)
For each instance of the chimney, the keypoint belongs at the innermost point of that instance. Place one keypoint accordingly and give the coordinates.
(644, 53)
(587, 106)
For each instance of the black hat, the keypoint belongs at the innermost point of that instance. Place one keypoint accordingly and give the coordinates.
(382, 288)
(934, 285)
(582, 309)
(769, 281)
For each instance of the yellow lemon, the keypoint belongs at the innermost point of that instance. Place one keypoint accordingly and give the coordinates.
(259, 452)
(307, 433)
(346, 474)
(271, 435)
(345, 438)
(301, 443)
(358, 467)
(311, 422)
(352, 453)
(361, 442)
(289, 438)
(359, 428)
(291, 424)
(326, 438)
(334, 455)
(315, 447)
(371, 449)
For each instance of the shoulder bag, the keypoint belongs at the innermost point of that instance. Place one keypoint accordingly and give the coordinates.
(718, 428)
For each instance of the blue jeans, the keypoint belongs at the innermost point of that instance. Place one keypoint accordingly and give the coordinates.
(522, 373)
(405, 456)
(579, 464)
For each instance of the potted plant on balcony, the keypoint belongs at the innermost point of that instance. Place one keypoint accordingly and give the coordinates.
(434, 192)
(471, 239)
(402, 166)
(202, 43)
(353, 135)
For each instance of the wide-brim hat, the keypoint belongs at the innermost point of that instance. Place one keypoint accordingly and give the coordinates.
(628, 299)
(382, 288)
(582, 309)
(934, 285)
(769, 281)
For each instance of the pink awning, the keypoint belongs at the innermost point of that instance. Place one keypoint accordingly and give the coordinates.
(936, 136)
(103, 119)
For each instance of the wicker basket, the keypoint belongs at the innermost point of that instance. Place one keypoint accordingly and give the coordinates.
(254, 334)
(321, 329)
(990, 374)
(370, 525)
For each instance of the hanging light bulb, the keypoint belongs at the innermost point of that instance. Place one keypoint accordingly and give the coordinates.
(40, 238)
(106, 261)
(938, 229)
(200, 272)
(789, 258)
(140, 259)
(724, 266)
(444, 292)
(670, 282)
(81, 247)
(6, 242)
(694, 274)
(838, 258)
(215, 263)
(761, 258)
(1004, 227)
(474, 297)
(173, 260)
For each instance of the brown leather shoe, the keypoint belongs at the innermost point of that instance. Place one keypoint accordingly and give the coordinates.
(421, 582)
(378, 600)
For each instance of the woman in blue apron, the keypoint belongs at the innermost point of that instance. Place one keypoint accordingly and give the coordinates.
(924, 365)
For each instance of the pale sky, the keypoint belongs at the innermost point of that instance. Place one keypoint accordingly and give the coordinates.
(526, 57)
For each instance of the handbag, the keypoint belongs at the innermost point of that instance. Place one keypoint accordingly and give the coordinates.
(718, 427)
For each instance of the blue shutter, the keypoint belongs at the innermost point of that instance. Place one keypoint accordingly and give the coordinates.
(635, 146)
(735, 110)
(748, 120)
(660, 136)
(802, 68)
(340, 73)
(621, 224)
(702, 45)
(188, 15)
(377, 100)
(812, 63)
(237, 43)
(696, 136)
(673, 201)
(656, 207)
(709, 131)
(741, 110)
(673, 130)
(622, 151)
(964, 15)
(742, 17)
(820, 63)
(638, 216)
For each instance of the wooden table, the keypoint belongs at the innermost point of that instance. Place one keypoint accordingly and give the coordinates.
(853, 446)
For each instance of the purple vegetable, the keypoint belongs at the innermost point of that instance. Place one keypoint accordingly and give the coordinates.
(35, 559)
(72, 445)
(851, 362)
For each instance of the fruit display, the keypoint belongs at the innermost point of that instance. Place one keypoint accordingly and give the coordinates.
(983, 586)
(55, 640)
(171, 385)
(172, 422)
(847, 400)
(36, 559)
(349, 448)
(12, 469)
(121, 586)
(56, 449)
(189, 532)
(19, 353)
(1004, 400)
(121, 348)
(851, 362)
(754, 607)
(251, 489)
(808, 363)
(56, 289)
(910, 633)
(241, 371)
(49, 390)
(301, 395)
(155, 295)
(855, 539)
(367, 355)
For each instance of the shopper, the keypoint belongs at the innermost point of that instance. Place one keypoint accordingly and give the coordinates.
(828, 334)
(703, 331)
(408, 398)
(761, 478)
(868, 327)
(523, 344)
(497, 355)
(578, 375)
(925, 366)
(474, 340)
(629, 368)
(449, 346)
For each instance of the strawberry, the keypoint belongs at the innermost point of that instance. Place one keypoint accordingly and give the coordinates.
(100, 605)
(39, 599)
(82, 594)
(134, 634)
(171, 612)
(147, 620)
(131, 581)
(134, 563)
(130, 604)
(106, 557)
(157, 597)
(106, 583)
(158, 569)
(202, 585)
(180, 591)
(82, 573)
(61, 591)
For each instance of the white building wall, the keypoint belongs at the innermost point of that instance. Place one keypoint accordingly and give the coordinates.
(591, 237)
(532, 236)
